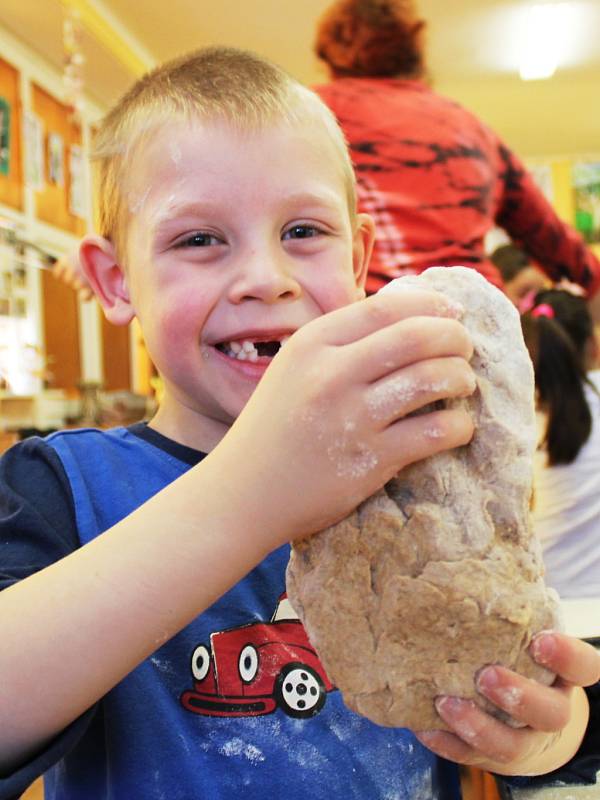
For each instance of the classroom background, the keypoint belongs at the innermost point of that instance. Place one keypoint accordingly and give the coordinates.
(63, 63)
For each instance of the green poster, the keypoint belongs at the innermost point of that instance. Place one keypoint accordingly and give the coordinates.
(586, 181)
(4, 136)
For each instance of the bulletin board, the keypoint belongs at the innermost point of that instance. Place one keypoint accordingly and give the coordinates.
(586, 180)
(61, 134)
(11, 166)
(565, 195)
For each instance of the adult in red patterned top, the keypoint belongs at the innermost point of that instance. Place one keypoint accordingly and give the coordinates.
(435, 178)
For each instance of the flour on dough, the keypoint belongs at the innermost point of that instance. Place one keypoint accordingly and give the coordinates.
(439, 573)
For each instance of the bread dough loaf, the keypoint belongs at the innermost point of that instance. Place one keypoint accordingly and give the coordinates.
(439, 573)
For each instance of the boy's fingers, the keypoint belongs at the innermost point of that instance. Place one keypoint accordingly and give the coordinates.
(357, 320)
(449, 746)
(414, 438)
(418, 385)
(576, 662)
(407, 342)
(541, 707)
(484, 734)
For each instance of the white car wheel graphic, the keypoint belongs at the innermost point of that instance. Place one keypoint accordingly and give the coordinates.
(300, 692)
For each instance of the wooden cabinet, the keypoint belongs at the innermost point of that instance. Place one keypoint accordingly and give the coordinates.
(116, 358)
(61, 333)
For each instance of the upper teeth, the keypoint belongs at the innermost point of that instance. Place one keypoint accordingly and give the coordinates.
(246, 349)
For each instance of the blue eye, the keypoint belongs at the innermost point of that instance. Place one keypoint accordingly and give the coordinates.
(200, 240)
(301, 232)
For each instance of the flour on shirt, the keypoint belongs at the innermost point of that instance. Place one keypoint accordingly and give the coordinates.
(237, 747)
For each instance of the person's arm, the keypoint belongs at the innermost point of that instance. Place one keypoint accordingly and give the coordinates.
(284, 470)
(529, 219)
(555, 717)
(37, 527)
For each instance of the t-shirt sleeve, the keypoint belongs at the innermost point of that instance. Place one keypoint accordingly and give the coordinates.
(530, 220)
(14, 784)
(37, 528)
(37, 518)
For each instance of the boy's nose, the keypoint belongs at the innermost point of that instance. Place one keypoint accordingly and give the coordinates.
(264, 277)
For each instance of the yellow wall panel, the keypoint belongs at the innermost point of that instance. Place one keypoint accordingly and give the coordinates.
(52, 202)
(562, 189)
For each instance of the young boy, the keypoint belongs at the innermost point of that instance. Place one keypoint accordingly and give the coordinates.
(147, 662)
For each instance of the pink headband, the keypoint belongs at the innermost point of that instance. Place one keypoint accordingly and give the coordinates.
(543, 310)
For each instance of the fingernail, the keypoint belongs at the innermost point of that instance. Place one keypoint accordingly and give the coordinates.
(543, 647)
(487, 679)
(447, 705)
(454, 711)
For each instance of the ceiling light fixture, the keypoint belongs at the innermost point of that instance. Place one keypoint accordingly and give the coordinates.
(543, 39)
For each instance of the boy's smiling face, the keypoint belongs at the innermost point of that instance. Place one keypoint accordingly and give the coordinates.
(234, 241)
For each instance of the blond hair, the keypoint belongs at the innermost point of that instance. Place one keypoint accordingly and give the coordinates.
(216, 83)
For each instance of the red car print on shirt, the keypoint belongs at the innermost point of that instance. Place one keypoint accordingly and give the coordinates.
(257, 668)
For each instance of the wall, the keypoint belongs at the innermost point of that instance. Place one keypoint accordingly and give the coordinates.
(556, 117)
(40, 211)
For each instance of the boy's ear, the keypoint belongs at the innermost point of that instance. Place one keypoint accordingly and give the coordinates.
(106, 276)
(364, 237)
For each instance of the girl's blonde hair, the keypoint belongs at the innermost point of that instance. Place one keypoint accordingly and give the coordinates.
(216, 83)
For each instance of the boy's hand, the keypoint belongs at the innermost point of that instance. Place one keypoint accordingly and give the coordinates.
(327, 426)
(555, 716)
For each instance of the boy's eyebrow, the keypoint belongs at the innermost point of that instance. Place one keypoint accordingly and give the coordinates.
(324, 199)
(165, 215)
(318, 198)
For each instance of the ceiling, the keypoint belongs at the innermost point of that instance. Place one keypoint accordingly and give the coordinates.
(473, 49)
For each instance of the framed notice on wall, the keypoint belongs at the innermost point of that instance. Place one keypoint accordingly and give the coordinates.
(33, 135)
(77, 196)
(56, 159)
(4, 136)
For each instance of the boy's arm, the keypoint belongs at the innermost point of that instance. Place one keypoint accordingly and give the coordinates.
(555, 717)
(74, 629)
(306, 450)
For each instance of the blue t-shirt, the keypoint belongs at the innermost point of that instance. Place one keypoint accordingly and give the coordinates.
(236, 703)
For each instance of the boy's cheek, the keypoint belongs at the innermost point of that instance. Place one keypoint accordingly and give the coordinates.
(342, 295)
(169, 328)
